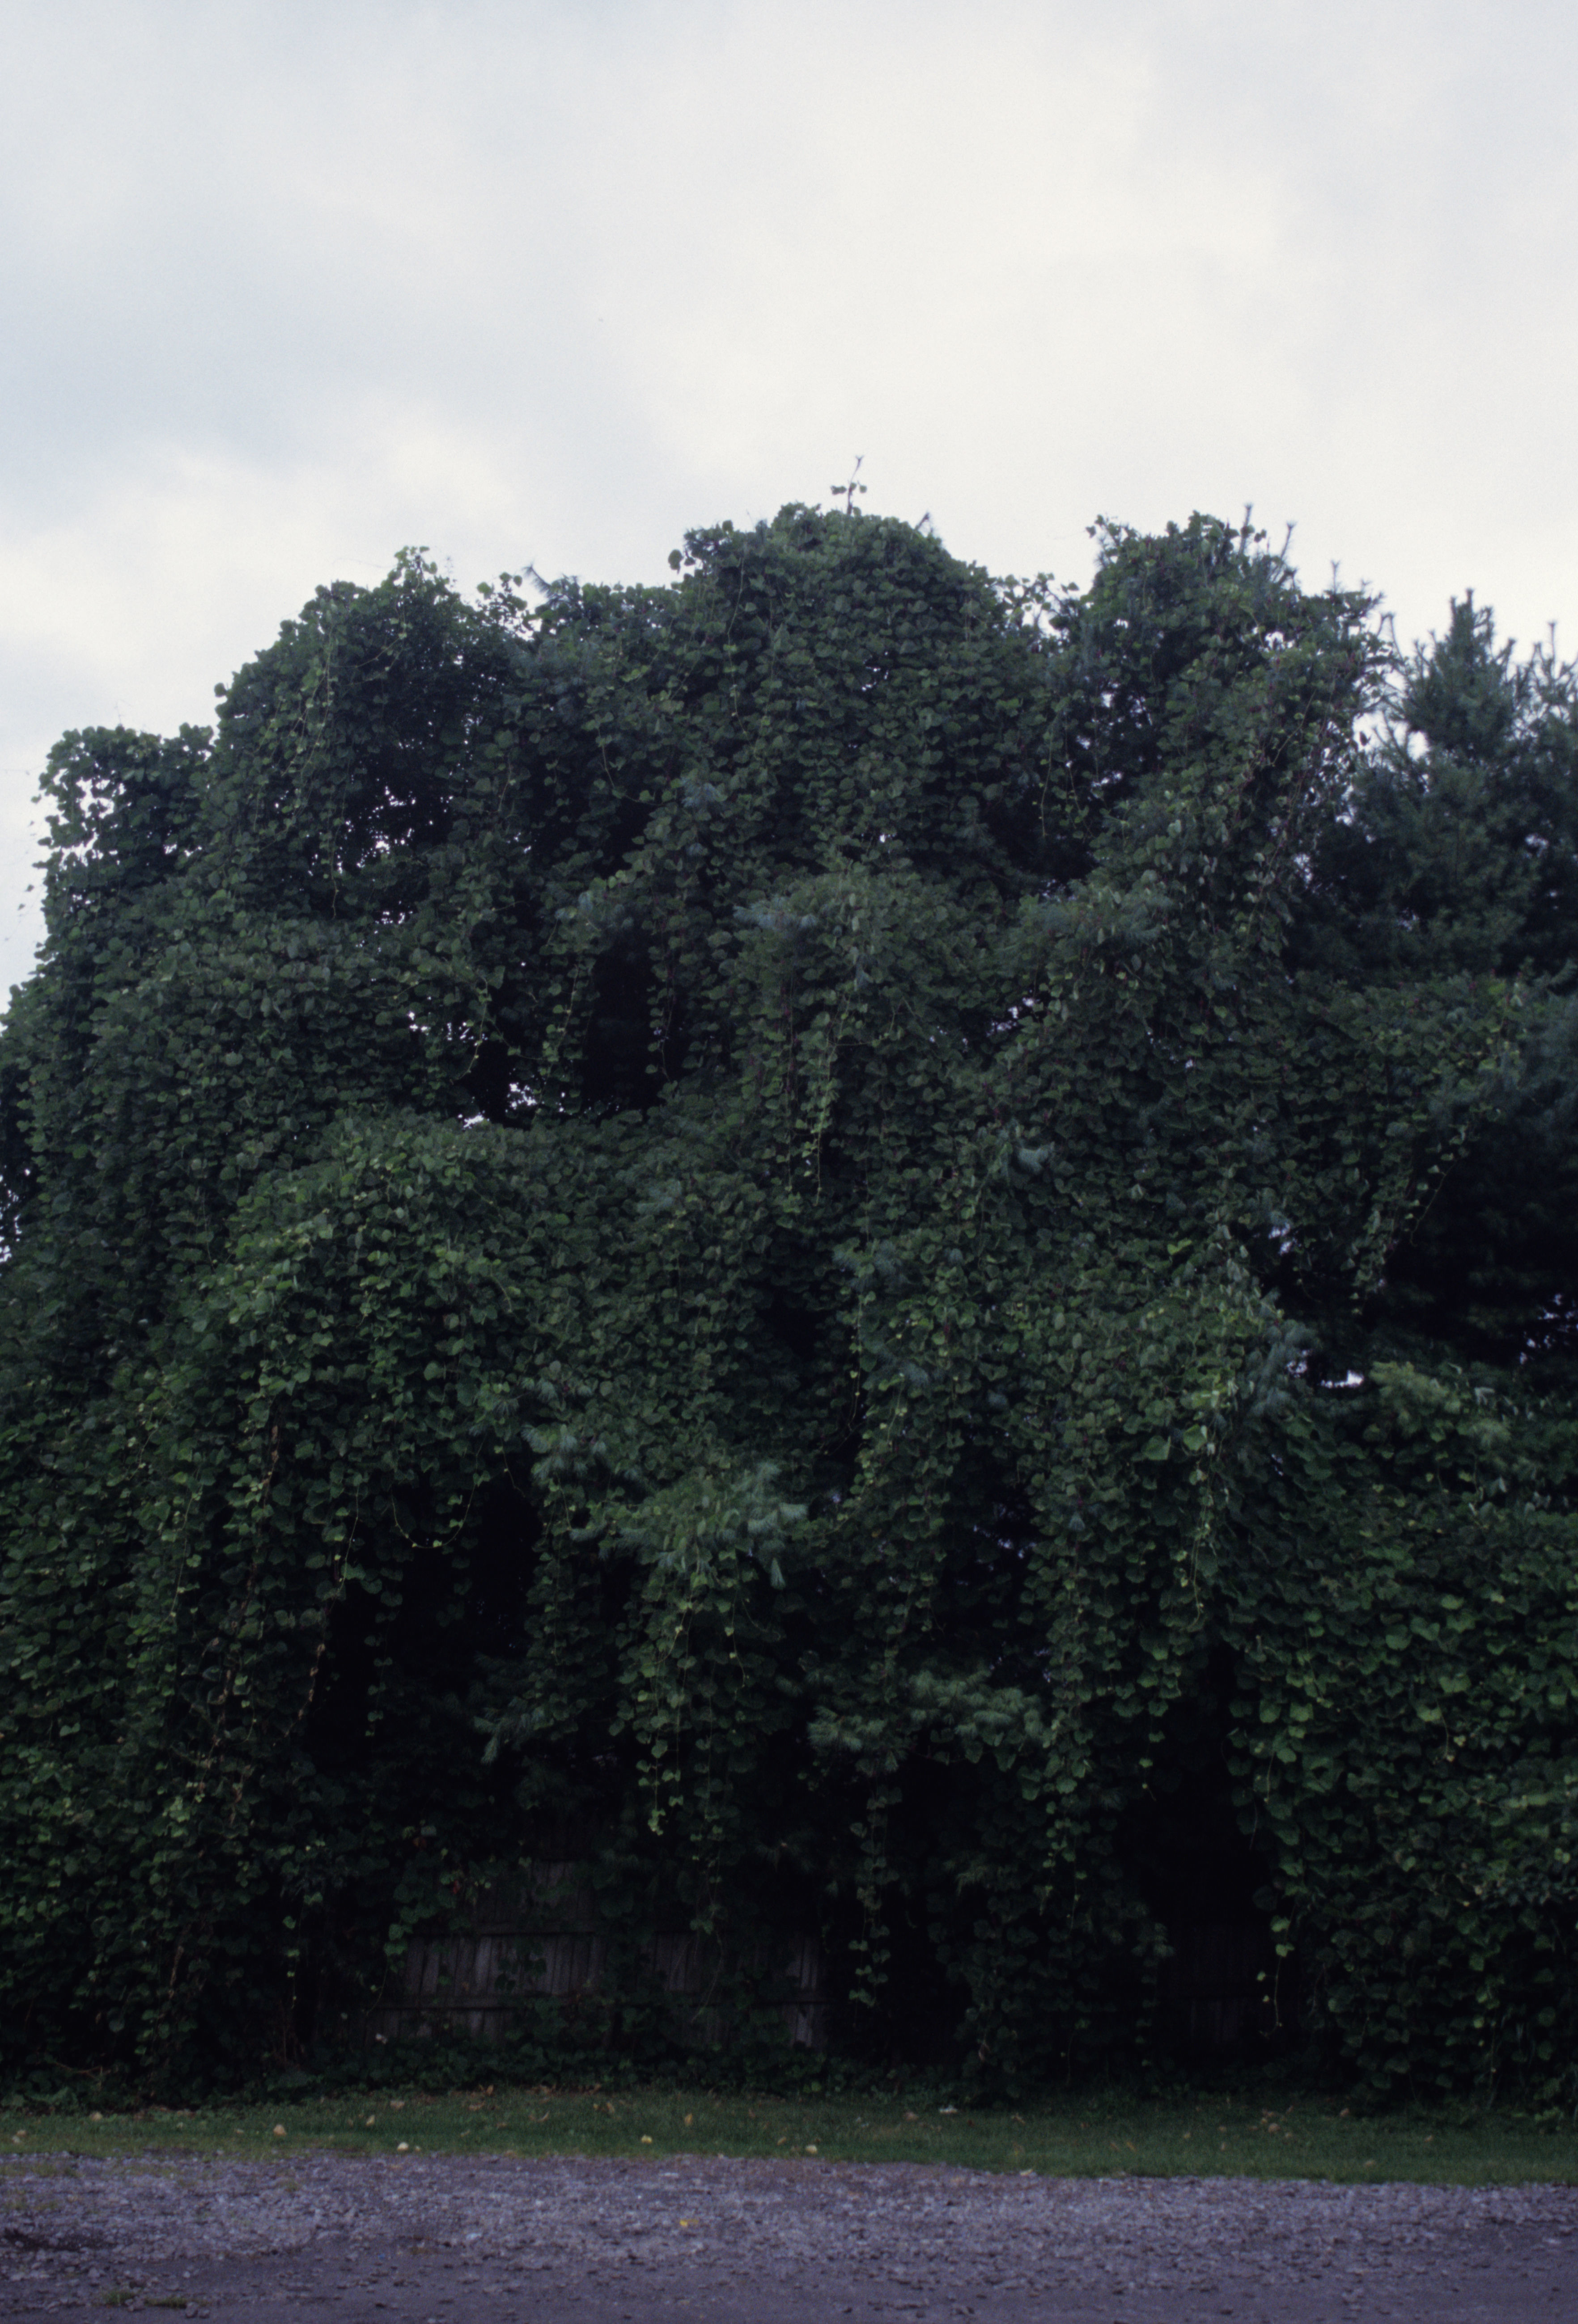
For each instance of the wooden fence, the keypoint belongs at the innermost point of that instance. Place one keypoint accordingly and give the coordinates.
(540, 1939)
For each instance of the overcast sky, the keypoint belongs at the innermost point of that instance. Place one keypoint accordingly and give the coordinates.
(285, 287)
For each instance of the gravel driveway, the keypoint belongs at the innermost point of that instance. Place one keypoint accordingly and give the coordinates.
(370, 2241)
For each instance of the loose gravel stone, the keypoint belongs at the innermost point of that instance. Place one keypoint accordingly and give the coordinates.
(418, 2240)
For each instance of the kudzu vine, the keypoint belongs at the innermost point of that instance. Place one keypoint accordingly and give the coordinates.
(742, 1230)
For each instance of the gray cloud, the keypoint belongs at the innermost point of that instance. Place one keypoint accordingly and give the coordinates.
(287, 286)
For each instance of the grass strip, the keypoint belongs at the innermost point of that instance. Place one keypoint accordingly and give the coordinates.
(1303, 2137)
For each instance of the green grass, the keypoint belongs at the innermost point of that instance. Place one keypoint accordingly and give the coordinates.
(1241, 2137)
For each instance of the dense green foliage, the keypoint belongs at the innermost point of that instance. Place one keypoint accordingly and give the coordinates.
(826, 1228)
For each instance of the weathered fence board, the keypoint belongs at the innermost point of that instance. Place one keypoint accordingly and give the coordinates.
(1218, 1989)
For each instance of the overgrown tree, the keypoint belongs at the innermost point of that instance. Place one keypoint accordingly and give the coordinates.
(789, 1220)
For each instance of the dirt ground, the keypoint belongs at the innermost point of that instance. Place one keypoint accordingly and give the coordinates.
(436, 2240)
